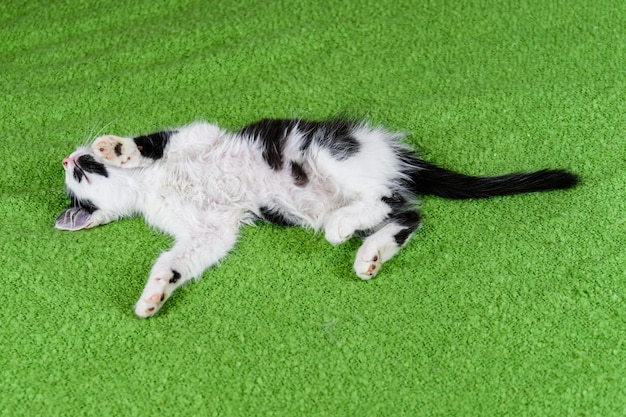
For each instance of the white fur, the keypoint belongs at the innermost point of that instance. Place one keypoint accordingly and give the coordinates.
(210, 182)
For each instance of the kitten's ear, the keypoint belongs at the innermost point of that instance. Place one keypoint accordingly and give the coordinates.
(76, 218)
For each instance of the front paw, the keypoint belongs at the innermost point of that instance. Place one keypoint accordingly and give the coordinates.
(148, 305)
(116, 150)
(157, 291)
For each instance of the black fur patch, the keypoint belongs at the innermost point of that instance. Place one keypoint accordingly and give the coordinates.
(299, 176)
(275, 216)
(272, 135)
(396, 201)
(402, 236)
(336, 135)
(87, 205)
(88, 164)
(408, 218)
(175, 277)
(78, 174)
(153, 145)
(403, 215)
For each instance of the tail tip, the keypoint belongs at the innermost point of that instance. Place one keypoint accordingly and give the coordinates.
(565, 179)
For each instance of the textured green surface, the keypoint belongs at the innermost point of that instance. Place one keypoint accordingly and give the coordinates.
(512, 306)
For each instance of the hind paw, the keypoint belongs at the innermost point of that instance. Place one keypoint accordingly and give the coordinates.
(339, 229)
(367, 265)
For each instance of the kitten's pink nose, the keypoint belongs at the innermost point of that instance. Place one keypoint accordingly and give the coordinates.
(66, 162)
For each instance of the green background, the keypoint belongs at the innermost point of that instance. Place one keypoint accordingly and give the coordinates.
(510, 306)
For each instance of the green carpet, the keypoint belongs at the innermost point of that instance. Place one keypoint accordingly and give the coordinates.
(506, 307)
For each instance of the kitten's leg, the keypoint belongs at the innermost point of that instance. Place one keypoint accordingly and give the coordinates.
(131, 152)
(361, 215)
(117, 151)
(188, 259)
(385, 243)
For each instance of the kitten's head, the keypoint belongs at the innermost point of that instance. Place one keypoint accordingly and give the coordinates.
(91, 187)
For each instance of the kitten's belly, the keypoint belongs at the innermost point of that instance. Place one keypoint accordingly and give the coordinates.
(307, 205)
(211, 189)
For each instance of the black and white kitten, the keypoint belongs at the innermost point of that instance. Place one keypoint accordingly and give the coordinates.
(200, 183)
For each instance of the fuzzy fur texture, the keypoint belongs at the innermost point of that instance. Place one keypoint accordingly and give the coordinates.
(200, 184)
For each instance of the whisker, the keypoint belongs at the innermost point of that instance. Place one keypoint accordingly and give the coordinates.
(90, 136)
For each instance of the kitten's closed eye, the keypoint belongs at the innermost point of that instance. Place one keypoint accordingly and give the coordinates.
(88, 164)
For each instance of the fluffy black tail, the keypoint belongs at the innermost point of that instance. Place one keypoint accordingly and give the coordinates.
(429, 179)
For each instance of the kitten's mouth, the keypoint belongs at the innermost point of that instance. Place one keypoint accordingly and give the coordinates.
(78, 172)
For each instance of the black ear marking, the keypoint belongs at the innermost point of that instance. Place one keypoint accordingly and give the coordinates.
(84, 204)
(79, 215)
